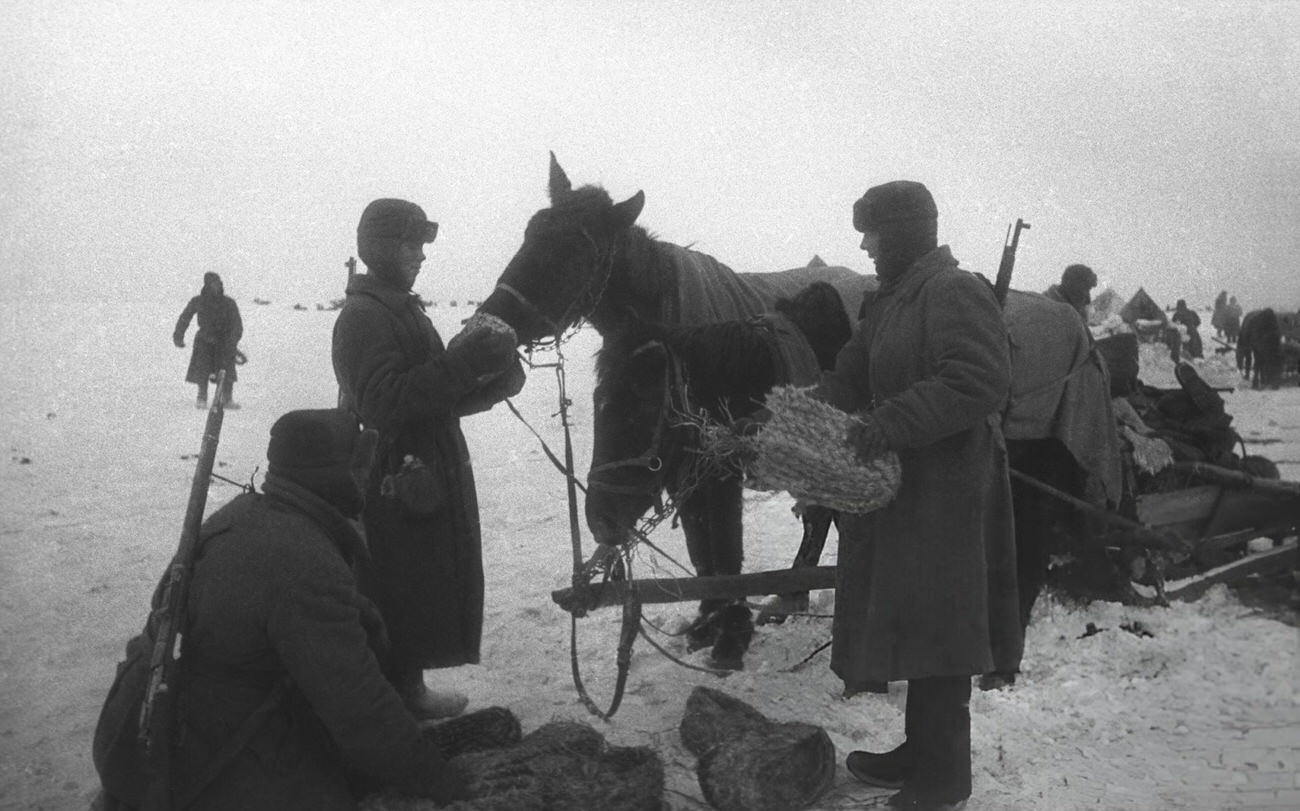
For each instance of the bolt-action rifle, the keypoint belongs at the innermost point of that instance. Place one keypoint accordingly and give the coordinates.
(1003, 281)
(157, 712)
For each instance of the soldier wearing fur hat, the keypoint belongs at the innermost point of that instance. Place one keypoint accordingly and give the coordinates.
(216, 342)
(1074, 289)
(926, 586)
(282, 702)
(425, 570)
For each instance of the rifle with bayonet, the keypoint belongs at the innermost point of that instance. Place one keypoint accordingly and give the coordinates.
(158, 710)
(1003, 282)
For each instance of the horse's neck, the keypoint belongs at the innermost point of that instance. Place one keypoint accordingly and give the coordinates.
(729, 365)
(641, 281)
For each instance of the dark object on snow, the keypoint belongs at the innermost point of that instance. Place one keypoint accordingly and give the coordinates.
(560, 765)
(1091, 630)
(750, 763)
(1136, 628)
(489, 728)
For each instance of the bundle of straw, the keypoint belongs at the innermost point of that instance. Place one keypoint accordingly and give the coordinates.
(804, 450)
(1152, 454)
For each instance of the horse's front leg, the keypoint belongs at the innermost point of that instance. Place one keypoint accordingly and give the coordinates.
(711, 521)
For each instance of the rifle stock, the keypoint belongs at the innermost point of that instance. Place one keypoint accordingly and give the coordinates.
(168, 614)
(1003, 281)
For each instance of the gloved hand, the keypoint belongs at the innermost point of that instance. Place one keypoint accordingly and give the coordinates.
(179, 341)
(485, 351)
(867, 439)
(485, 729)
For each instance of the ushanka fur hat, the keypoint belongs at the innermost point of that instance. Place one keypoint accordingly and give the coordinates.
(896, 201)
(314, 448)
(388, 222)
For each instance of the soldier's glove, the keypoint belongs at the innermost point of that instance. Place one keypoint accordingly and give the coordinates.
(486, 352)
(488, 728)
(867, 439)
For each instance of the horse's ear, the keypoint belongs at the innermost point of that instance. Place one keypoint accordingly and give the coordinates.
(559, 182)
(626, 212)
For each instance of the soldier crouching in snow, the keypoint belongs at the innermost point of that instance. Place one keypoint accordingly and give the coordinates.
(282, 703)
(216, 342)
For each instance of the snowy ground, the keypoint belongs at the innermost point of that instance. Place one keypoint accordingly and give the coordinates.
(101, 432)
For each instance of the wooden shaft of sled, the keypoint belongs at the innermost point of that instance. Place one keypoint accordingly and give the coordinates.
(683, 589)
(1142, 535)
(1222, 475)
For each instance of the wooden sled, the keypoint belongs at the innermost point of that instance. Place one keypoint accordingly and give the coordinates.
(1217, 514)
(1213, 519)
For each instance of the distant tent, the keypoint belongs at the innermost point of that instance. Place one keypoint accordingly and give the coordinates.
(1142, 308)
(1106, 305)
(816, 262)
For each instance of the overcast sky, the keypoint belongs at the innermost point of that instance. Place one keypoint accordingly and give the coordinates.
(147, 143)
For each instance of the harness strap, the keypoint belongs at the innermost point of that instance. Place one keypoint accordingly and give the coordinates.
(530, 307)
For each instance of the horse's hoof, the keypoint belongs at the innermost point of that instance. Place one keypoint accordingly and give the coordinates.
(730, 663)
(736, 631)
(702, 632)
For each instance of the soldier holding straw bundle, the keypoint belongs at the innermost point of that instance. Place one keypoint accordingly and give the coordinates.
(926, 587)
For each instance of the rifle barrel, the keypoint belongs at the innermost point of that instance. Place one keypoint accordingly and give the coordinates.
(169, 612)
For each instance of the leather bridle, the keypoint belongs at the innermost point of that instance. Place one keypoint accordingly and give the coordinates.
(584, 303)
(652, 458)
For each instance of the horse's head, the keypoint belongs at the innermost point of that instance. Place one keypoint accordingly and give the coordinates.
(635, 448)
(652, 383)
(559, 273)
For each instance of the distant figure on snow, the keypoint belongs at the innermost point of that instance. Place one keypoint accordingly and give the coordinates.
(216, 343)
(1075, 289)
(1232, 320)
(1188, 318)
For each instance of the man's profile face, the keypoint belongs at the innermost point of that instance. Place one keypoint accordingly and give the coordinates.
(410, 256)
(871, 242)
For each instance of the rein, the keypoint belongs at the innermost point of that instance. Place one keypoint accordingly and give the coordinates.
(580, 308)
(631, 623)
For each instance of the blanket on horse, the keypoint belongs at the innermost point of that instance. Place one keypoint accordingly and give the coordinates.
(708, 291)
(1060, 389)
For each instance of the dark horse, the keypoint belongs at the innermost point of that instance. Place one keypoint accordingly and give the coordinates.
(1262, 352)
(584, 258)
(654, 385)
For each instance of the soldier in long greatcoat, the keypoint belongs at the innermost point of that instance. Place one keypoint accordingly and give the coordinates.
(425, 570)
(216, 342)
(926, 586)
